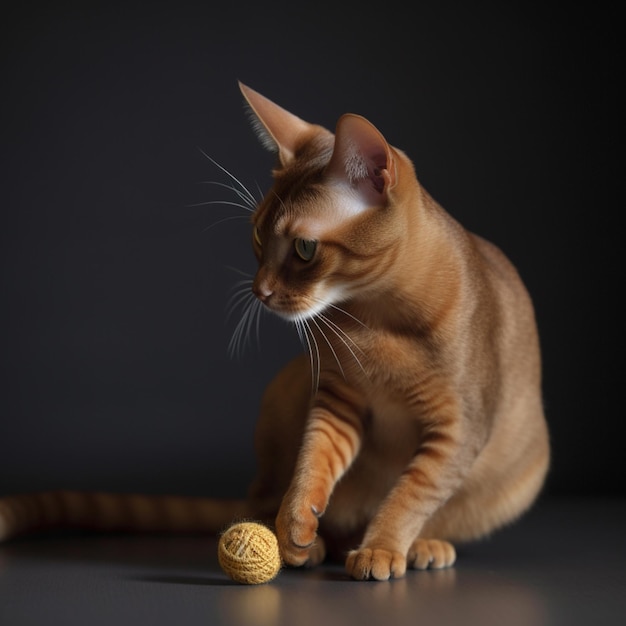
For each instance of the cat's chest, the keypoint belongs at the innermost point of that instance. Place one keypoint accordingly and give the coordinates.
(396, 374)
(392, 364)
(392, 424)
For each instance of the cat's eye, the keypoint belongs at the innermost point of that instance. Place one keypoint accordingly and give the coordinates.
(257, 236)
(305, 248)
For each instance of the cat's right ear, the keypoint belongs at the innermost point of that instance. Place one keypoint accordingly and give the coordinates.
(278, 130)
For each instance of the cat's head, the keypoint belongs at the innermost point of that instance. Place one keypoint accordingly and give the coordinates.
(327, 231)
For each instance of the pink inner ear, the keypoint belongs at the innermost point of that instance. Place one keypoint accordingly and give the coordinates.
(362, 158)
(376, 176)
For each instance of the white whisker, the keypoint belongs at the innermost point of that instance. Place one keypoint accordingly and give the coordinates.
(244, 281)
(244, 189)
(338, 308)
(299, 331)
(235, 341)
(313, 357)
(242, 330)
(237, 298)
(226, 202)
(339, 331)
(304, 340)
(344, 338)
(242, 297)
(259, 309)
(225, 219)
(329, 344)
(238, 271)
(236, 301)
(249, 203)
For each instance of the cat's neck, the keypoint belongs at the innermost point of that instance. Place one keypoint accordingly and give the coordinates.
(423, 286)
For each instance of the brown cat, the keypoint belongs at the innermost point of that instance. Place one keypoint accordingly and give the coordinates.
(417, 419)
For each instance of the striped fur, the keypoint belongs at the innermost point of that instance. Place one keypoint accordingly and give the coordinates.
(115, 512)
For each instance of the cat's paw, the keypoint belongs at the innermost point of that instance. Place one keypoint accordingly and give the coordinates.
(296, 531)
(317, 553)
(431, 554)
(378, 564)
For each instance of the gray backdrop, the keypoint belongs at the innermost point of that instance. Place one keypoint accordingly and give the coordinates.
(115, 365)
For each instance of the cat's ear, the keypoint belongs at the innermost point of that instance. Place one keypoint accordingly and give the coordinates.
(362, 158)
(278, 130)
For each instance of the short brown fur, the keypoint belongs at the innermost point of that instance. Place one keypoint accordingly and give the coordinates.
(416, 421)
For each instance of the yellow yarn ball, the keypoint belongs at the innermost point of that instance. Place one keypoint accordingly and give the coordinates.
(248, 553)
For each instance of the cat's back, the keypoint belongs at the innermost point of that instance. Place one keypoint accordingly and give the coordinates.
(519, 420)
(518, 326)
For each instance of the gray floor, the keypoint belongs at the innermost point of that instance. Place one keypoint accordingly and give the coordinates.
(563, 564)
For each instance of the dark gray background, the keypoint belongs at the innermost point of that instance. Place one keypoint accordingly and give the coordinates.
(115, 365)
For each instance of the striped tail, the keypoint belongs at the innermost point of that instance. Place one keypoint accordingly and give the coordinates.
(116, 512)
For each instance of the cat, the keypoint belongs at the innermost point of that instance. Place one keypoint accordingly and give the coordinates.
(414, 421)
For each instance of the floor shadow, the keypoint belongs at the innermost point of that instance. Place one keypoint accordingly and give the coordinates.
(200, 581)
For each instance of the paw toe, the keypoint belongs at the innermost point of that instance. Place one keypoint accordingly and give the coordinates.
(365, 563)
(431, 554)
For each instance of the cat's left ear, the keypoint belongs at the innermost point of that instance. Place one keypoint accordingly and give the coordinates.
(363, 158)
(278, 130)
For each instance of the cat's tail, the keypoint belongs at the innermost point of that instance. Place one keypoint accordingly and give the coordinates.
(116, 512)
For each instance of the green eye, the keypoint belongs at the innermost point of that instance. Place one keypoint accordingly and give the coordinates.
(305, 248)
(257, 236)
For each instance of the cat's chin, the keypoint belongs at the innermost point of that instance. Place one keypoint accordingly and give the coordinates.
(299, 316)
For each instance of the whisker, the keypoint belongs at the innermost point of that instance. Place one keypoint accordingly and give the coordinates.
(329, 344)
(250, 204)
(226, 202)
(234, 340)
(299, 330)
(312, 345)
(244, 281)
(236, 269)
(240, 334)
(338, 308)
(225, 219)
(282, 204)
(337, 329)
(233, 344)
(232, 176)
(305, 344)
(235, 301)
(258, 312)
(356, 319)
(238, 298)
(250, 317)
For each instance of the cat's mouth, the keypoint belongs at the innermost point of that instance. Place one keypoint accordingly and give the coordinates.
(296, 307)
(293, 312)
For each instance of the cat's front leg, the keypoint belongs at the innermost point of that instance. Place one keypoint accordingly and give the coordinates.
(443, 459)
(331, 442)
(296, 527)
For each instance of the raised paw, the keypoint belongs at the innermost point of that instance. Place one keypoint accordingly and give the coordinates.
(317, 553)
(431, 554)
(378, 564)
(296, 531)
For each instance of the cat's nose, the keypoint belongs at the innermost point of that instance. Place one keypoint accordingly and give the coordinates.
(262, 291)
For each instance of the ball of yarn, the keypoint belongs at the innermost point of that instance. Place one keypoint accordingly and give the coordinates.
(248, 553)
